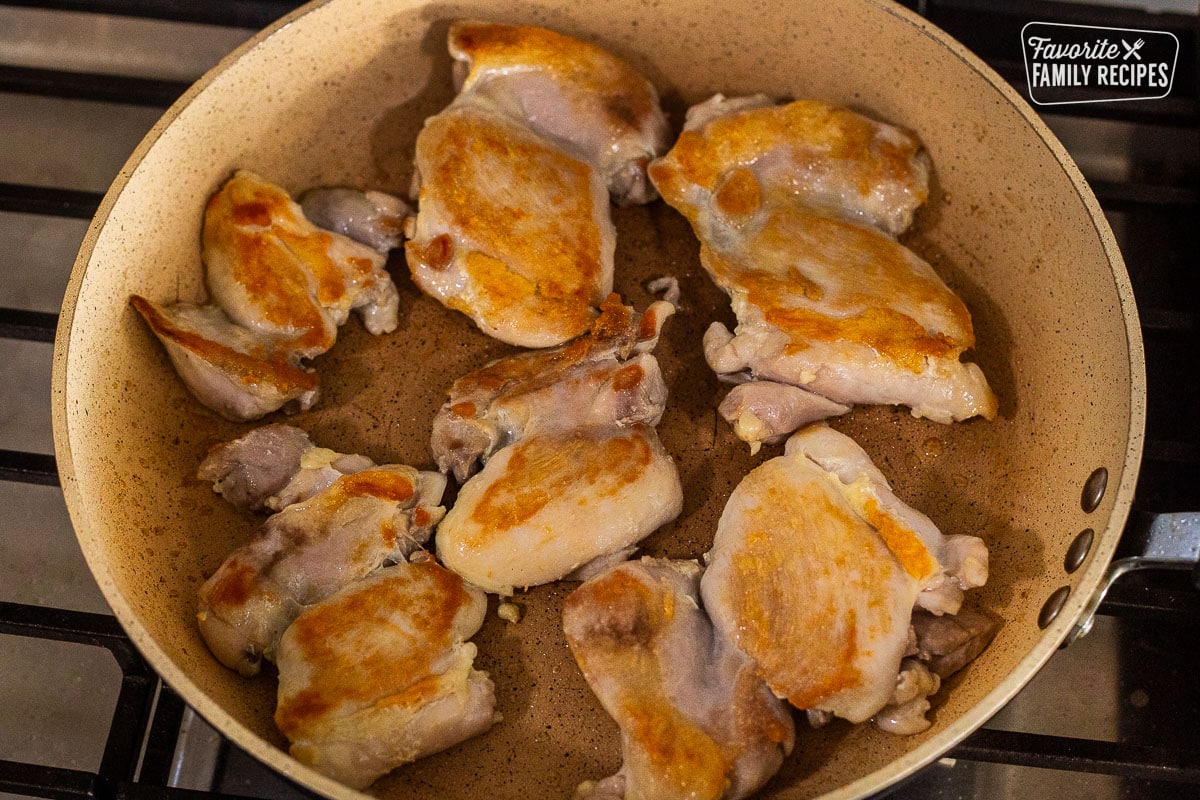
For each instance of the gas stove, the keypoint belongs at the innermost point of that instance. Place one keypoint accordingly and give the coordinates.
(81, 81)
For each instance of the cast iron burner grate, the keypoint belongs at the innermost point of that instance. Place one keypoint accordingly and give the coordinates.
(1160, 249)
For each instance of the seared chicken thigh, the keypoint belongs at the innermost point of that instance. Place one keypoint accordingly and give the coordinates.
(573, 470)
(511, 230)
(823, 156)
(280, 287)
(795, 207)
(574, 93)
(239, 374)
(954, 564)
(380, 674)
(816, 568)
(846, 312)
(696, 721)
(276, 273)
(554, 502)
(310, 550)
(604, 378)
(512, 179)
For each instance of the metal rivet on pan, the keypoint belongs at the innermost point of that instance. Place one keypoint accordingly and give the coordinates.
(1053, 605)
(1079, 549)
(1093, 489)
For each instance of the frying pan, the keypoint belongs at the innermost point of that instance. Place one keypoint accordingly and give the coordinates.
(336, 93)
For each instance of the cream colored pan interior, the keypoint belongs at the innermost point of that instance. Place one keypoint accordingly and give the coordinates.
(336, 95)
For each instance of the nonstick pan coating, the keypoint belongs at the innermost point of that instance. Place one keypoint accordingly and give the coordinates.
(336, 93)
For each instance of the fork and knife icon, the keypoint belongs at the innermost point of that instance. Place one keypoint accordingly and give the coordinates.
(1132, 50)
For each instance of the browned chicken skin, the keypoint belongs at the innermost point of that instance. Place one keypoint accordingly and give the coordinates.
(280, 288)
(815, 571)
(606, 377)
(380, 674)
(274, 272)
(796, 207)
(513, 180)
(236, 373)
(336, 529)
(573, 470)
(511, 230)
(570, 92)
(696, 721)
(554, 502)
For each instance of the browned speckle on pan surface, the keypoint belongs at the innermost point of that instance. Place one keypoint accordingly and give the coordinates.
(339, 95)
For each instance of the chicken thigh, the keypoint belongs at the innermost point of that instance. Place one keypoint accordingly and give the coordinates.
(812, 153)
(574, 93)
(511, 230)
(553, 502)
(765, 412)
(696, 721)
(604, 378)
(238, 374)
(816, 568)
(274, 466)
(381, 673)
(275, 273)
(280, 288)
(373, 218)
(513, 227)
(573, 470)
(953, 564)
(310, 550)
(795, 207)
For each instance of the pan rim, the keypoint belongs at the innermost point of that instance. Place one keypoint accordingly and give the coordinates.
(97, 563)
(1086, 581)
(1089, 578)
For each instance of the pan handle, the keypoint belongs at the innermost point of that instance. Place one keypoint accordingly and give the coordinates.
(1152, 541)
